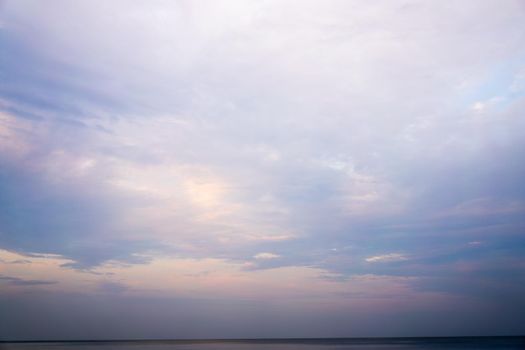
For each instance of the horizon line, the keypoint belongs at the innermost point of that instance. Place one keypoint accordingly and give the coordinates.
(276, 339)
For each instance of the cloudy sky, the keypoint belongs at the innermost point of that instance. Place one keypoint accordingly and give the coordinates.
(261, 168)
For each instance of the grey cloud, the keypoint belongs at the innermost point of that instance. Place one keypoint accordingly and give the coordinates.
(39, 216)
(20, 261)
(15, 281)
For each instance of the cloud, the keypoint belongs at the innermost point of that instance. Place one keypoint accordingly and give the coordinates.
(266, 256)
(268, 135)
(15, 281)
(20, 261)
(386, 258)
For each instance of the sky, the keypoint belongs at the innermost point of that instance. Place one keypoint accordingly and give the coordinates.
(241, 169)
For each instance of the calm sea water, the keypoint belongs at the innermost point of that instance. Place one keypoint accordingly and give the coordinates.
(458, 343)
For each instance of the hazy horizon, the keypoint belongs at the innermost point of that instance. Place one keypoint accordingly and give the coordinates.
(459, 343)
(261, 169)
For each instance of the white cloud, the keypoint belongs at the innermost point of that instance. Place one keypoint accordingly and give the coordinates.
(478, 106)
(386, 258)
(265, 256)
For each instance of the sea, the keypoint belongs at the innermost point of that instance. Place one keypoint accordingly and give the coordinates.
(458, 343)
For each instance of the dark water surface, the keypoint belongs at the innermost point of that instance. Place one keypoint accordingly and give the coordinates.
(281, 344)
